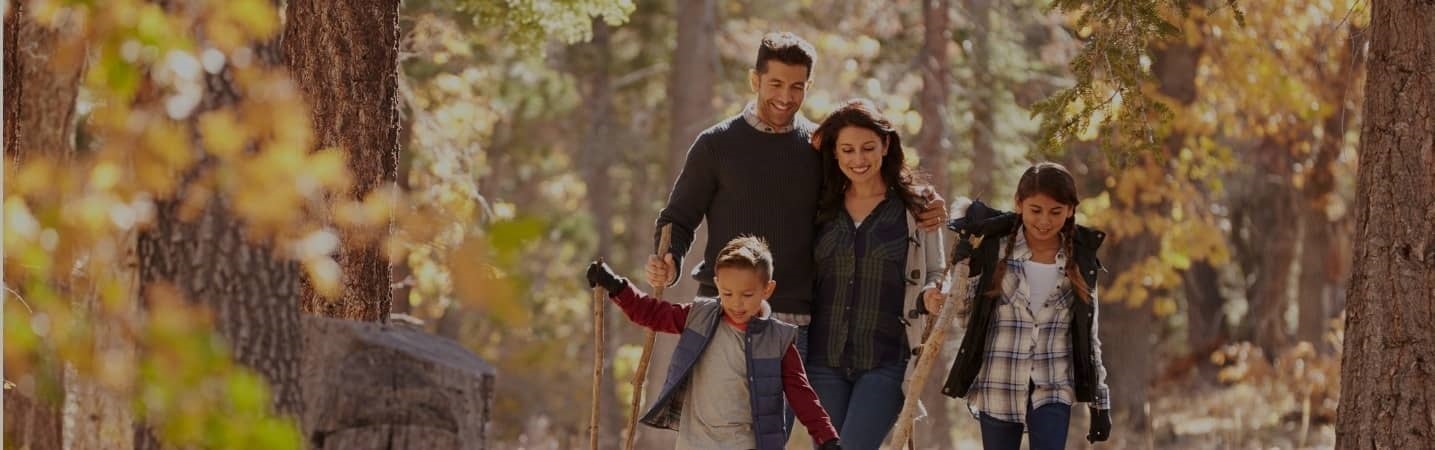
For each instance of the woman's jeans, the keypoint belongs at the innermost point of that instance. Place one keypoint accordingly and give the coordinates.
(863, 404)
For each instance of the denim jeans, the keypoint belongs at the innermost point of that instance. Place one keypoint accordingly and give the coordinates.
(1047, 425)
(802, 353)
(863, 404)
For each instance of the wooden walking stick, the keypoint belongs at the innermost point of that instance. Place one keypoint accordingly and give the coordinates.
(640, 377)
(931, 352)
(600, 300)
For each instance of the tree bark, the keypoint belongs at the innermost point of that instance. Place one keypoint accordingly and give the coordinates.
(691, 88)
(694, 77)
(344, 57)
(932, 140)
(1127, 337)
(252, 292)
(40, 88)
(1270, 210)
(596, 152)
(1384, 402)
(1322, 268)
(984, 156)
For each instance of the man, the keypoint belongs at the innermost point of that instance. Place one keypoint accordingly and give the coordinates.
(757, 173)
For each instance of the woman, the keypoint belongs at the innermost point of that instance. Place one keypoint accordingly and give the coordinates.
(873, 265)
(1031, 350)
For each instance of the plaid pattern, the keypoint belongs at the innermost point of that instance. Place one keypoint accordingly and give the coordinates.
(749, 114)
(1025, 350)
(858, 313)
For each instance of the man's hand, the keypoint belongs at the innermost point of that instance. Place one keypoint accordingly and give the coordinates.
(1100, 425)
(932, 299)
(660, 270)
(599, 274)
(934, 214)
(831, 444)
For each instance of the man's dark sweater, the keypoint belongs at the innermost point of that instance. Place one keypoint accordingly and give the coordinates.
(744, 181)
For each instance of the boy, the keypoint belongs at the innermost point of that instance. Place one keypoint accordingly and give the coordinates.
(734, 364)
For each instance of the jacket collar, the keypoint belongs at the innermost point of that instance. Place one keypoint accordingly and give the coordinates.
(982, 220)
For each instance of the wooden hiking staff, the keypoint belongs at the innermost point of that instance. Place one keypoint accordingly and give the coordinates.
(600, 299)
(931, 352)
(640, 377)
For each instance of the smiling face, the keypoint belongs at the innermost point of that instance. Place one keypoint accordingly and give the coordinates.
(859, 154)
(1043, 217)
(741, 292)
(780, 89)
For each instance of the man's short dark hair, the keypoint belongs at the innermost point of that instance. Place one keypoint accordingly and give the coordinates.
(787, 48)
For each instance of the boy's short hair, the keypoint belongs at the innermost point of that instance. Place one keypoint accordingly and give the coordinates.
(786, 48)
(746, 252)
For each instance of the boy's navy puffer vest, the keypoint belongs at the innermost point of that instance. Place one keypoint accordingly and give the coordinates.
(766, 343)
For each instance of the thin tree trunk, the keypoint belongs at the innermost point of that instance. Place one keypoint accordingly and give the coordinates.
(1271, 206)
(694, 77)
(1322, 267)
(933, 141)
(691, 88)
(984, 156)
(1127, 337)
(596, 152)
(344, 57)
(1384, 399)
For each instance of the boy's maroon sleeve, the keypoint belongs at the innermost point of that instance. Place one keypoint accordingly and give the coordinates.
(804, 400)
(651, 312)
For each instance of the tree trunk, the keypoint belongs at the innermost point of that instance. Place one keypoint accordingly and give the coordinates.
(1205, 317)
(1384, 402)
(596, 154)
(933, 141)
(1127, 337)
(1271, 205)
(252, 292)
(691, 88)
(40, 87)
(1323, 269)
(694, 77)
(344, 57)
(984, 155)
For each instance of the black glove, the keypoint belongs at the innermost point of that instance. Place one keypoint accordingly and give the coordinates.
(831, 444)
(599, 274)
(1100, 425)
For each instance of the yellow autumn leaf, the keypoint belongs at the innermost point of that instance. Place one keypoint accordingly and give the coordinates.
(329, 168)
(325, 276)
(257, 16)
(223, 135)
(169, 142)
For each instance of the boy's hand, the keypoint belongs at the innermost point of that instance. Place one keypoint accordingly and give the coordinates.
(932, 299)
(660, 270)
(599, 274)
(831, 444)
(935, 214)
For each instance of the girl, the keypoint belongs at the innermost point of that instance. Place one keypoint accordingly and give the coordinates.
(1031, 350)
(873, 265)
